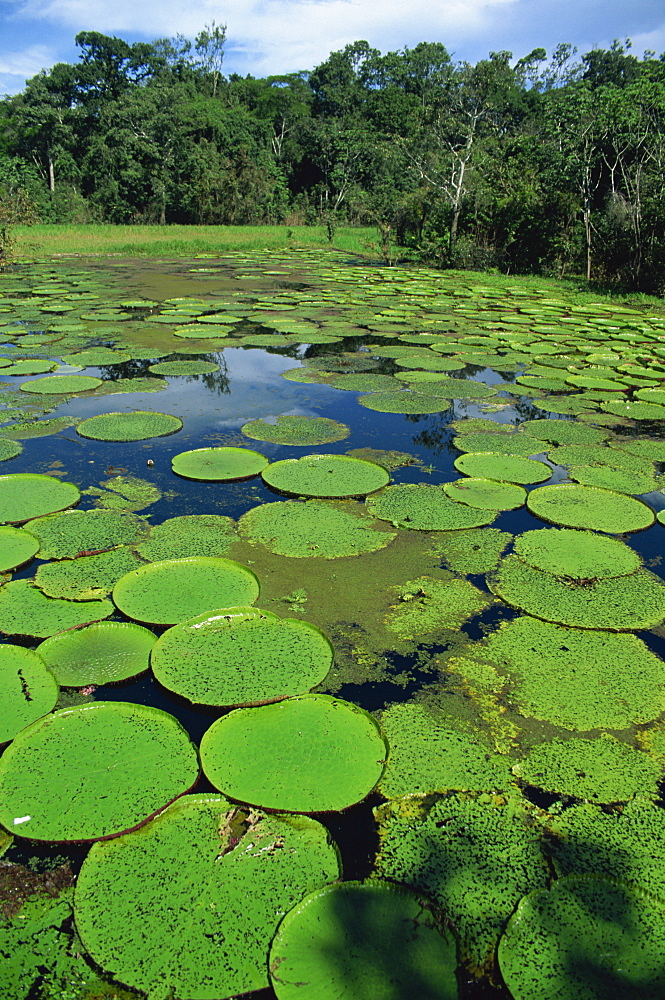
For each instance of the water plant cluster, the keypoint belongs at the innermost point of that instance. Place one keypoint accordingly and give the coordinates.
(241, 635)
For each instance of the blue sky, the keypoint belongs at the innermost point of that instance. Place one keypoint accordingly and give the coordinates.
(279, 36)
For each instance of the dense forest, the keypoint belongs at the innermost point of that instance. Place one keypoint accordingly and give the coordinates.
(552, 165)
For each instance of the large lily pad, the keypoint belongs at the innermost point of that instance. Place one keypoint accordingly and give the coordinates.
(355, 941)
(296, 430)
(241, 656)
(25, 495)
(577, 555)
(72, 533)
(187, 905)
(423, 507)
(61, 384)
(404, 402)
(313, 529)
(27, 688)
(188, 535)
(218, 464)
(184, 368)
(86, 577)
(499, 443)
(174, 590)
(103, 653)
(138, 425)
(305, 754)
(17, 546)
(25, 610)
(588, 938)
(476, 550)
(487, 494)
(589, 507)
(507, 468)
(114, 764)
(333, 476)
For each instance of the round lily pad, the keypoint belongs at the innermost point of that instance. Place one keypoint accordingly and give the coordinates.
(27, 688)
(25, 495)
(17, 546)
(313, 529)
(423, 507)
(509, 468)
(218, 464)
(25, 610)
(241, 656)
(184, 368)
(487, 494)
(635, 410)
(137, 425)
(620, 480)
(305, 754)
(578, 555)
(404, 402)
(86, 577)
(115, 764)
(187, 905)
(499, 443)
(588, 938)
(590, 507)
(71, 533)
(297, 430)
(188, 535)
(564, 431)
(103, 653)
(326, 476)
(61, 384)
(339, 944)
(31, 366)
(174, 590)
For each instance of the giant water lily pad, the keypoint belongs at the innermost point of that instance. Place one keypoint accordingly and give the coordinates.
(102, 653)
(590, 507)
(71, 533)
(184, 368)
(565, 431)
(622, 603)
(475, 550)
(589, 693)
(305, 431)
(173, 590)
(61, 384)
(426, 606)
(313, 529)
(187, 905)
(27, 688)
(499, 443)
(621, 480)
(241, 656)
(588, 938)
(475, 855)
(113, 763)
(487, 494)
(25, 610)
(305, 754)
(326, 476)
(423, 507)
(25, 495)
(508, 468)
(403, 402)
(339, 944)
(578, 555)
(188, 535)
(218, 464)
(87, 576)
(138, 425)
(17, 546)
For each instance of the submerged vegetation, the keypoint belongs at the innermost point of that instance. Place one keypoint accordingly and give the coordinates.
(411, 649)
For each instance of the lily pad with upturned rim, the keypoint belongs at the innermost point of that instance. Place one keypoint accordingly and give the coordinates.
(137, 425)
(403, 402)
(307, 754)
(487, 494)
(326, 476)
(26, 495)
(115, 763)
(174, 590)
(102, 653)
(297, 430)
(590, 507)
(61, 384)
(505, 468)
(184, 368)
(576, 554)
(25, 610)
(17, 546)
(218, 464)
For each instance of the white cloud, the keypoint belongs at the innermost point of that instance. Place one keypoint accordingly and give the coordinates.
(27, 62)
(653, 40)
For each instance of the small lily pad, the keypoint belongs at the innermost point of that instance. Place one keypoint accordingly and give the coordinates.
(27, 688)
(333, 476)
(138, 425)
(218, 464)
(304, 431)
(103, 653)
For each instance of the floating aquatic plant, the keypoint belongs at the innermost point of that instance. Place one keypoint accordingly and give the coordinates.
(487, 494)
(61, 384)
(137, 425)
(17, 546)
(576, 554)
(427, 606)
(474, 550)
(507, 468)
(25, 610)
(188, 535)
(86, 577)
(28, 689)
(423, 507)
(590, 507)
(102, 653)
(25, 495)
(218, 464)
(296, 430)
(404, 402)
(326, 476)
(70, 533)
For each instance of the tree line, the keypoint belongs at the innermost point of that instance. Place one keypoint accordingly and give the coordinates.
(542, 164)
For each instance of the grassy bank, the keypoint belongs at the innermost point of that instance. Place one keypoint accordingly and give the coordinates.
(46, 240)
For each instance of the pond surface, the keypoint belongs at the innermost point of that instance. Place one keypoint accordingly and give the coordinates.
(518, 679)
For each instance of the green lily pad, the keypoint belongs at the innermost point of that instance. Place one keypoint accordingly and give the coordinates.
(187, 905)
(86, 577)
(635, 410)
(174, 590)
(9, 449)
(364, 382)
(588, 938)
(32, 366)
(620, 480)
(590, 507)
(33, 941)
(577, 555)
(587, 694)
(306, 754)
(403, 402)
(121, 385)
(28, 689)
(564, 431)
(218, 464)
(332, 476)
(297, 430)
(103, 653)
(25, 495)
(600, 770)
(61, 384)
(188, 535)
(339, 944)
(650, 449)
(508, 468)
(184, 368)
(25, 610)
(613, 458)
(429, 752)
(522, 445)
(138, 425)
(17, 546)
(38, 428)
(314, 529)
(423, 507)
(115, 763)
(475, 855)
(426, 606)
(241, 656)
(74, 532)
(125, 493)
(487, 494)
(96, 357)
(474, 550)
(459, 388)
